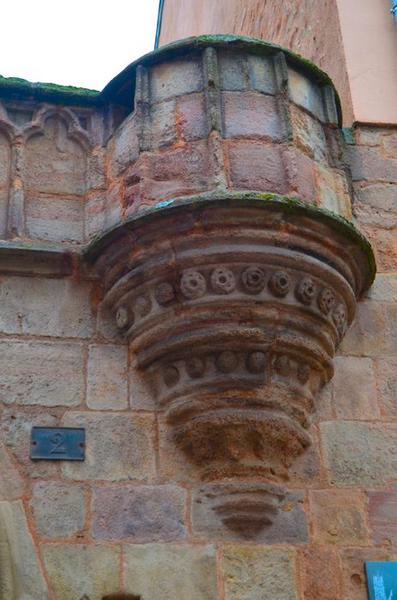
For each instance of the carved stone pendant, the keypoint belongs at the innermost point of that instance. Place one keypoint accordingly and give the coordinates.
(234, 305)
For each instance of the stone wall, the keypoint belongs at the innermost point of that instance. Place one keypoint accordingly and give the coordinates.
(128, 518)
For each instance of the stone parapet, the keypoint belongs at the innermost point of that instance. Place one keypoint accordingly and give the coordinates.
(224, 113)
(203, 114)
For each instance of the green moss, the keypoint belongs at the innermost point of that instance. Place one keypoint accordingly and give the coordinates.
(288, 205)
(255, 45)
(21, 88)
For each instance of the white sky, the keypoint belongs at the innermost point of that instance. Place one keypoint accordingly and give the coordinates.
(74, 42)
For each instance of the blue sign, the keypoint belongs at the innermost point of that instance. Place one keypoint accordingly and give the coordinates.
(393, 9)
(57, 443)
(381, 580)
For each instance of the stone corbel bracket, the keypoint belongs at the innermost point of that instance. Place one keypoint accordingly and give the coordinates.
(234, 304)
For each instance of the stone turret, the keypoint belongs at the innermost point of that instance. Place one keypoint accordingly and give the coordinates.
(235, 297)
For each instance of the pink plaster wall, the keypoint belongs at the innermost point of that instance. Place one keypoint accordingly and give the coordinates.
(370, 45)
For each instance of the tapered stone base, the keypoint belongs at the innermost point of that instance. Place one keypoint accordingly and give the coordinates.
(244, 507)
(234, 307)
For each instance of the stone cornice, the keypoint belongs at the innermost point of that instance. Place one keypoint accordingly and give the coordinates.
(271, 202)
(19, 258)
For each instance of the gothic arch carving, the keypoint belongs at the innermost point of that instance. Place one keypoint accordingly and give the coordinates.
(74, 130)
(55, 176)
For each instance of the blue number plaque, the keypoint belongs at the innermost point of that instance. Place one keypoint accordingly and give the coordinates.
(381, 580)
(57, 443)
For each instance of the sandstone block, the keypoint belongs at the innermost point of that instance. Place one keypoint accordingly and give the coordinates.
(233, 71)
(119, 446)
(384, 288)
(354, 580)
(377, 204)
(308, 134)
(289, 525)
(174, 465)
(133, 194)
(175, 79)
(261, 74)
(141, 396)
(384, 244)
(389, 140)
(369, 136)
(325, 404)
(178, 171)
(15, 429)
(383, 517)
(386, 375)
(58, 509)
(107, 377)
(368, 164)
(181, 572)
(5, 160)
(192, 117)
(238, 72)
(305, 93)
(79, 571)
(256, 166)
(3, 210)
(301, 170)
(106, 326)
(94, 214)
(321, 574)
(355, 388)
(163, 124)
(259, 573)
(139, 513)
(366, 337)
(124, 149)
(55, 163)
(306, 470)
(391, 328)
(51, 307)
(360, 453)
(96, 169)
(338, 517)
(21, 576)
(181, 163)
(251, 115)
(30, 373)
(53, 219)
(333, 192)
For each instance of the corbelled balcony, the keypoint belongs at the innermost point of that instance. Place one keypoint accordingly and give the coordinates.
(222, 265)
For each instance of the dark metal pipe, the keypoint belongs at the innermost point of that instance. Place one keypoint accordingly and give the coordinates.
(159, 18)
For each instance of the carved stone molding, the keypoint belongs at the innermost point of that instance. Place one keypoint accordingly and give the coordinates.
(234, 305)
